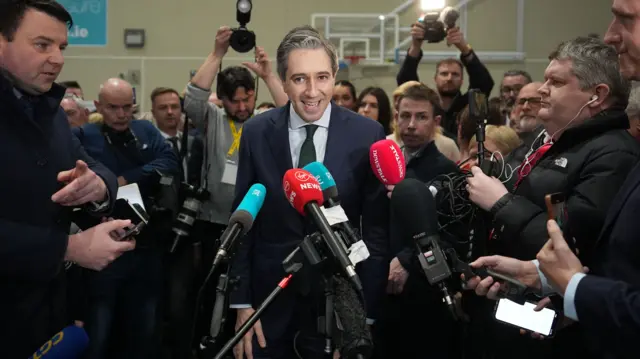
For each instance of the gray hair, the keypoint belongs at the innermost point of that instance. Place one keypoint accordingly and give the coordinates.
(633, 107)
(75, 99)
(594, 63)
(522, 73)
(303, 37)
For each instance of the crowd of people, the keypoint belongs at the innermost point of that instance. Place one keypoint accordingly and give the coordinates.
(65, 260)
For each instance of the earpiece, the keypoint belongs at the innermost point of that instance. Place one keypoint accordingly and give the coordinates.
(594, 97)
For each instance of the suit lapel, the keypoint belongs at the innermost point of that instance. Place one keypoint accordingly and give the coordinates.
(278, 139)
(632, 182)
(338, 135)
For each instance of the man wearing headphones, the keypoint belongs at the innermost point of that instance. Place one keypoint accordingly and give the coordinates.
(585, 153)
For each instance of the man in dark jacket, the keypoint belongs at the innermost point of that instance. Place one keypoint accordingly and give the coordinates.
(587, 156)
(449, 75)
(408, 292)
(45, 173)
(128, 292)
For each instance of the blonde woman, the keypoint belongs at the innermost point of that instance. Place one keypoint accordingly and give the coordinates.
(445, 145)
(499, 141)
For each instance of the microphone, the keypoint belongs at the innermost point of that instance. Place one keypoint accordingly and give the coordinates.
(413, 205)
(354, 340)
(335, 214)
(69, 343)
(304, 193)
(387, 162)
(241, 220)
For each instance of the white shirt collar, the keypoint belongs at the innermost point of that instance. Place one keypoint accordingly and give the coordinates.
(296, 122)
(167, 136)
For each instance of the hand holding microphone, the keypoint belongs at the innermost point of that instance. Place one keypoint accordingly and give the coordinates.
(387, 163)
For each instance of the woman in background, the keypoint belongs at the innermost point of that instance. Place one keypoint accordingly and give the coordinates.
(499, 141)
(374, 103)
(344, 94)
(445, 145)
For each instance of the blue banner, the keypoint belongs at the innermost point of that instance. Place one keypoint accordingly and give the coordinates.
(89, 22)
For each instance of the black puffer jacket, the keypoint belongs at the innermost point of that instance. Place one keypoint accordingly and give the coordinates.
(588, 164)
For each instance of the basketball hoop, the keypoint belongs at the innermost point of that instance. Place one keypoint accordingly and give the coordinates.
(353, 59)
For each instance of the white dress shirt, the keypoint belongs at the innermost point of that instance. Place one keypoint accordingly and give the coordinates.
(297, 134)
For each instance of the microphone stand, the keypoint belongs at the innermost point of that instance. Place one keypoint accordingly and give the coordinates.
(480, 133)
(209, 342)
(292, 265)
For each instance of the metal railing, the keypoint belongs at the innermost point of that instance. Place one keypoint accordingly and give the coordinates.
(380, 39)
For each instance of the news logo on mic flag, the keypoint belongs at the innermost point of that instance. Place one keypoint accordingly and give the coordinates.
(387, 162)
(69, 343)
(253, 200)
(300, 188)
(322, 174)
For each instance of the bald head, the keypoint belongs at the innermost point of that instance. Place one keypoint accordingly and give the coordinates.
(115, 103)
(76, 114)
(528, 105)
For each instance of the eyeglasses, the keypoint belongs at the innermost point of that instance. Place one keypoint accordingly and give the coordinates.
(530, 100)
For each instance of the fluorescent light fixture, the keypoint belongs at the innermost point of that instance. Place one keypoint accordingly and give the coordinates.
(430, 5)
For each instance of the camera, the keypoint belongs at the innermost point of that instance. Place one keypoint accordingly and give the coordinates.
(437, 23)
(182, 225)
(243, 40)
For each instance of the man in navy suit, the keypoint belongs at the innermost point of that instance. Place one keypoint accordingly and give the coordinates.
(309, 128)
(606, 301)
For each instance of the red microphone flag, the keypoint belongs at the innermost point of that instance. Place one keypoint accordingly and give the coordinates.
(387, 162)
(301, 187)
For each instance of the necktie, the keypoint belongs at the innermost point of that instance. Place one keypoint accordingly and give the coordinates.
(174, 143)
(308, 150)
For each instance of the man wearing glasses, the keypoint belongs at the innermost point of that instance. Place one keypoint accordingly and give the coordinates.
(512, 82)
(524, 117)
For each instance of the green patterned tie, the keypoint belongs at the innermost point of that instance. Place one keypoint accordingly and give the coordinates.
(308, 150)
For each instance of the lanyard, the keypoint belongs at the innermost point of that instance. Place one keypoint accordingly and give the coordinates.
(236, 138)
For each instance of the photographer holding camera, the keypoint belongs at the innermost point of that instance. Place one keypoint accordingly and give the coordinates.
(449, 76)
(129, 290)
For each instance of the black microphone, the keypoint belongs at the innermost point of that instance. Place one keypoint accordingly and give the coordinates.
(331, 199)
(414, 207)
(353, 338)
(304, 193)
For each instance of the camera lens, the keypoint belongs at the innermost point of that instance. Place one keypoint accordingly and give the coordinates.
(242, 40)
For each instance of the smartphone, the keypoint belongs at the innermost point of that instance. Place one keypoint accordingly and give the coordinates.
(134, 212)
(478, 105)
(555, 206)
(523, 316)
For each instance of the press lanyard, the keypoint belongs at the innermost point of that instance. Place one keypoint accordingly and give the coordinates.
(236, 139)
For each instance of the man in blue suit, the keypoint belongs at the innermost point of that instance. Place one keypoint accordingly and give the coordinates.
(130, 289)
(309, 128)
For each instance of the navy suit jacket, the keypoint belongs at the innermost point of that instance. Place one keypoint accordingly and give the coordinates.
(34, 230)
(155, 152)
(264, 158)
(608, 299)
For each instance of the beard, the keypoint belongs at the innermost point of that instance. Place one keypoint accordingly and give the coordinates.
(235, 118)
(448, 93)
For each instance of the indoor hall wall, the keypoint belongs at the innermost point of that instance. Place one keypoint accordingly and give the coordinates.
(179, 34)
